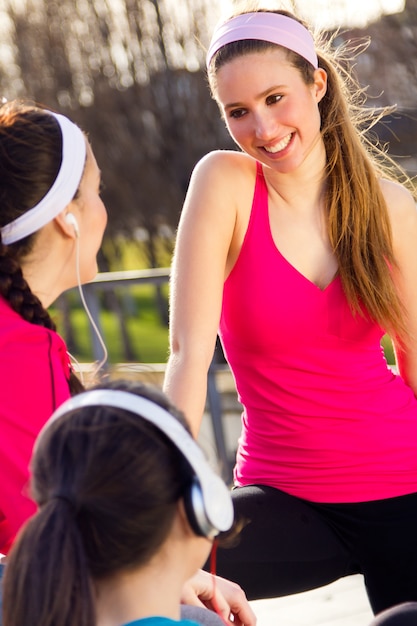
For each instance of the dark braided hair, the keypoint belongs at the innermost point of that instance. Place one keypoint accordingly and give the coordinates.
(30, 158)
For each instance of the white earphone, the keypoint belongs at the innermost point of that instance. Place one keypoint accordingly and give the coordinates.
(71, 219)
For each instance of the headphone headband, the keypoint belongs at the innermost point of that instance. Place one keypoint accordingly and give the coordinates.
(216, 498)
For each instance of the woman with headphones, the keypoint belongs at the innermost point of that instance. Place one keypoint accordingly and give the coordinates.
(128, 510)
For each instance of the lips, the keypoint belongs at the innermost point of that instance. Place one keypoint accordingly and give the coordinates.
(278, 147)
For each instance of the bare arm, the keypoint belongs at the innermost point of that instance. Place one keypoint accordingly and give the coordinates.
(205, 590)
(403, 215)
(201, 261)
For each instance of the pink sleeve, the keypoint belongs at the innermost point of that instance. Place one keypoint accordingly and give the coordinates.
(33, 377)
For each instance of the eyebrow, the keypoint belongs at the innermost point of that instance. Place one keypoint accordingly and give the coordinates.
(232, 105)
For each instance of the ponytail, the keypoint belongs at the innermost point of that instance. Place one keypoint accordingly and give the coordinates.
(46, 580)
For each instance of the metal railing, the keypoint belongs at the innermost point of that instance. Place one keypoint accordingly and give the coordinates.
(108, 281)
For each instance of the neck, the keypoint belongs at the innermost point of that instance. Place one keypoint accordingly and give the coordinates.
(303, 186)
(49, 269)
(154, 589)
(299, 192)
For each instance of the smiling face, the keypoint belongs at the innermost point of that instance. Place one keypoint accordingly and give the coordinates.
(270, 112)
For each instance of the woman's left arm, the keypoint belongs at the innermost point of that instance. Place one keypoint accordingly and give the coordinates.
(403, 214)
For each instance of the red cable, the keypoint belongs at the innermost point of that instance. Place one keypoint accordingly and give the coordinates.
(213, 555)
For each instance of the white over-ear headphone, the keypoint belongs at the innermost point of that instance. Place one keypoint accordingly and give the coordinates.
(208, 502)
(71, 219)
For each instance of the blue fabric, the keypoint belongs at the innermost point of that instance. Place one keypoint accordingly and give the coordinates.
(160, 621)
(1, 593)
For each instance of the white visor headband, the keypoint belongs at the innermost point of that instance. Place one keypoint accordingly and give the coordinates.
(62, 191)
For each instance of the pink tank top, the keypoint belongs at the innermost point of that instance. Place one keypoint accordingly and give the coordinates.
(324, 417)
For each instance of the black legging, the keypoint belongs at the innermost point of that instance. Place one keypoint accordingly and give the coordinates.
(290, 545)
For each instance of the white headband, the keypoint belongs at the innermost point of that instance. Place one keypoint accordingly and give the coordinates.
(63, 189)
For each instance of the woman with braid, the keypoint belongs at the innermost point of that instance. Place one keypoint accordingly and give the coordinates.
(49, 197)
(52, 221)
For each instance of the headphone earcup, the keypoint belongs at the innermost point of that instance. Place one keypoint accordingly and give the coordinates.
(195, 510)
(207, 500)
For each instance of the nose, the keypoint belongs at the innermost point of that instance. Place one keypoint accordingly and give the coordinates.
(265, 126)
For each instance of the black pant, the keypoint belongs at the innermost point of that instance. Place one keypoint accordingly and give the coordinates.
(291, 545)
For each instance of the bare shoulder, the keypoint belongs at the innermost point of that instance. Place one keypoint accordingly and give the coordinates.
(401, 206)
(226, 168)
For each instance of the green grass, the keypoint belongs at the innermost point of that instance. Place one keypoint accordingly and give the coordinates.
(388, 350)
(147, 333)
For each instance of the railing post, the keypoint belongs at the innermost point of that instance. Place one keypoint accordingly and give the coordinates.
(110, 280)
(92, 301)
(214, 402)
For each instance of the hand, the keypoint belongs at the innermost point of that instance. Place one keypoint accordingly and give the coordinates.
(229, 598)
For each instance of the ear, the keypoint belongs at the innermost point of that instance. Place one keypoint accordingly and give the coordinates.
(65, 226)
(320, 84)
(183, 520)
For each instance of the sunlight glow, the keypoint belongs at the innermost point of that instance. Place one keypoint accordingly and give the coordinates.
(331, 13)
(334, 13)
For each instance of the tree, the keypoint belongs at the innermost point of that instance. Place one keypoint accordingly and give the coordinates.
(388, 71)
(129, 73)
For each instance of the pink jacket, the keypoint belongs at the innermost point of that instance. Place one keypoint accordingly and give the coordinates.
(34, 373)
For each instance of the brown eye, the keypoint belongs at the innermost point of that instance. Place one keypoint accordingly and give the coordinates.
(273, 99)
(237, 113)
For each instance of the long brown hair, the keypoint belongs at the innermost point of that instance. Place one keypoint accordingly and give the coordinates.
(357, 215)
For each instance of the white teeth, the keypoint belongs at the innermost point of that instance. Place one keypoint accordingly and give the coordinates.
(279, 146)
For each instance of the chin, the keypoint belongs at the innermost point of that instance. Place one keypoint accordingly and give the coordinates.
(88, 276)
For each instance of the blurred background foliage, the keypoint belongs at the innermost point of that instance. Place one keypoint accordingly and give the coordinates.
(128, 72)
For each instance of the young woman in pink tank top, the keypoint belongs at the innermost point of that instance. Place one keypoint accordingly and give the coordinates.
(299, 250)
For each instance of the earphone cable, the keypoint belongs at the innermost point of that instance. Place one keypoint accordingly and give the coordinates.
(87, 310)
(77, 364)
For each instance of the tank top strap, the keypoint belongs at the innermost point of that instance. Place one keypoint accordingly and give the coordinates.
(259, 218)
(260, 186)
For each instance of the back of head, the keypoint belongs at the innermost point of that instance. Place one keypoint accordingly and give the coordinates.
(107, 483)
(30, 159)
